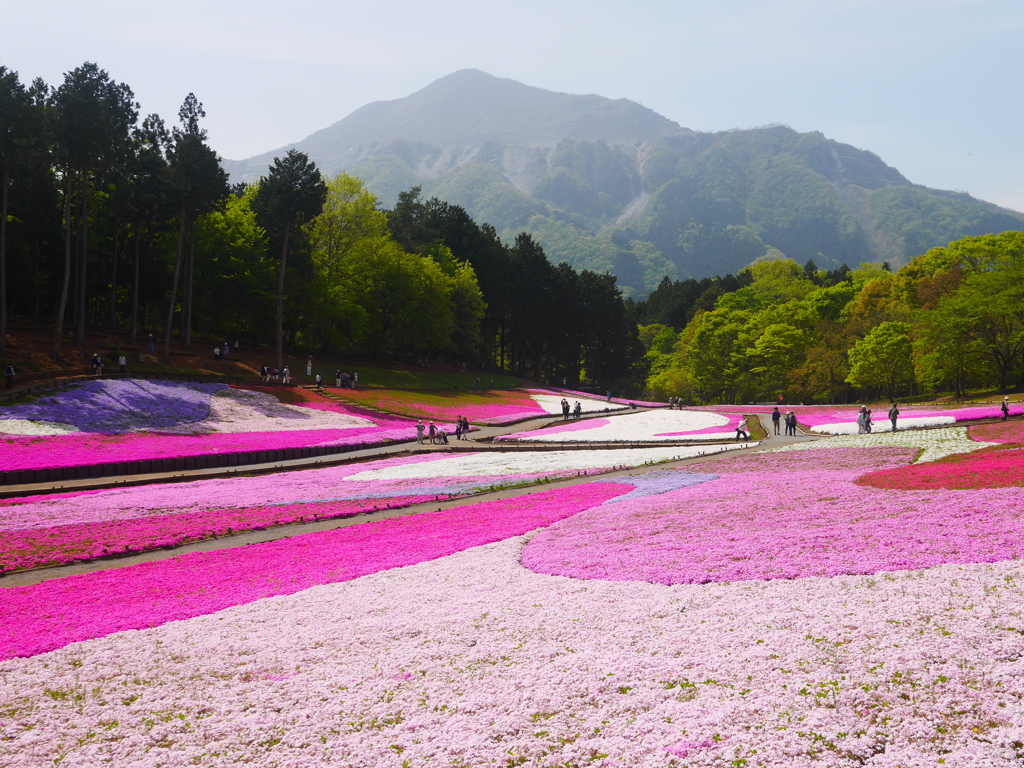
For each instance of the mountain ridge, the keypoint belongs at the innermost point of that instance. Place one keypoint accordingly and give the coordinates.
(612, 186)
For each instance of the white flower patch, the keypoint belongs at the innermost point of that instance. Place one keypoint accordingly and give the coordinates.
(241, 410)
(882, 425)
(531, 462)
(34, 428)
(934, 444)
(647, 426)
(553, 404)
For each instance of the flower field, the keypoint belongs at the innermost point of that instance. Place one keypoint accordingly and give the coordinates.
(646, 426)
(49, 530)
(483, 407)
(755, 609)
(124, 420)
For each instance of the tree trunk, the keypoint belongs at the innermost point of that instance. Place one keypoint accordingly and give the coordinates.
(133, 334)
(186, 336)
(83, 264)
(280, 298)
(112, 320)
(67, 268)
(3, 263)
(174, 288)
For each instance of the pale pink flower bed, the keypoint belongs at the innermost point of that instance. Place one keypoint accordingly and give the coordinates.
(790, 518)
(472, 660)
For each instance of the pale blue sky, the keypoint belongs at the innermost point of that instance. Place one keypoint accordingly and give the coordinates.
(933, 87)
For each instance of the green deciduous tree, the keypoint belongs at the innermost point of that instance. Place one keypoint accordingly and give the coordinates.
(883, 358)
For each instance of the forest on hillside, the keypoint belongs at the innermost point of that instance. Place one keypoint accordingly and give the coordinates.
(950, 321)
(692, 205)
(117, 221)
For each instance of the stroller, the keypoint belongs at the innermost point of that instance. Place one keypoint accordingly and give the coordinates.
(442, 437)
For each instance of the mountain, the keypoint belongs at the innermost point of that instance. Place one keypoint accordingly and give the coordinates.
(611, 185)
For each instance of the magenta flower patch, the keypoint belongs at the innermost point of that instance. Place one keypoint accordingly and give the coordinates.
(50, 615)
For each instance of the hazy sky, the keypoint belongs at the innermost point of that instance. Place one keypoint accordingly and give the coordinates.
(931, 86)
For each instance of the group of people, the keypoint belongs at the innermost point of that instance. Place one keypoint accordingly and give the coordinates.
(865, 422)
(438, 436)
(788, 418)
(345, 380)
(222, 352)
(577, 410)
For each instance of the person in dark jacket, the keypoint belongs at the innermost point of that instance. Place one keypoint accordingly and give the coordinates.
(776, 418)
(894, 413)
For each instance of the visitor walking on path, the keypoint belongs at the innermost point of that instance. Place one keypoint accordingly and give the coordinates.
(776, 418)
(122, 363)
(894, 413)
(867, 420)
(287, 375)
(265, 373)
(741, 431)
(309, 365)
(458, 428)
(862, 420)
(9, 375)
(432, 432)
(419, 432)
(1004, 408)
(577, 410)
(337, 378)
(319, 381)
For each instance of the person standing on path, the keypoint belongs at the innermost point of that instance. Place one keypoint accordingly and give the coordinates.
(867, 420)
(286, 375)
(355, 379)
(9, 375)
(862, 418)
(265, 373)
(319, 382)
(337, 378)
(577, 410)
(894, 413)
(1004, 407)
(776, 418)
(790, 424)
(309, 366)
(224, 351)
(432, 432)
(150, 343)
(458, 428)
(419, 432)
(122, 363)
